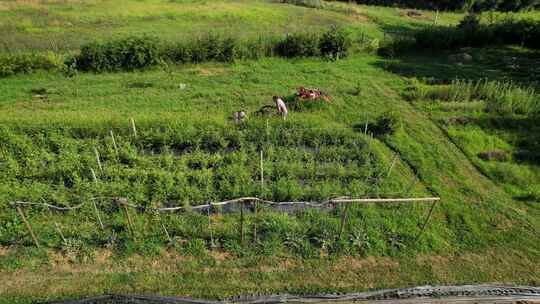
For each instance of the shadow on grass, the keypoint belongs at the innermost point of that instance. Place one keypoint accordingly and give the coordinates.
(519, 65)
(525, 131)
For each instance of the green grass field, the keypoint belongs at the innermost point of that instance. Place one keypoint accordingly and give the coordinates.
(188, 152)
(65, 25)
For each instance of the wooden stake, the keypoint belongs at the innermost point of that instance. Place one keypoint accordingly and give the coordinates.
(130, 223)
(164, 228)
(133, 128)
(21, 213)
(426, 221)
(114, 142)
(365, 127)
(57, 227)
(242, 222)
(98, 159)
(256, 203)
(94, 202)
(392, 165)
(267, 131)
(343, 220)
(212, 245)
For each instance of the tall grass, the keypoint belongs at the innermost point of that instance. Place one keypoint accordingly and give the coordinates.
(503, 97)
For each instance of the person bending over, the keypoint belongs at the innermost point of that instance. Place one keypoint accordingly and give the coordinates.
(281, 107)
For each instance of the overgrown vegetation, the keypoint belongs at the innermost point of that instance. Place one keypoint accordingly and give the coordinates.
(134, 53)
(470, 32)
(465, 5)
(11, 64)
(467, 133)
(501, 97)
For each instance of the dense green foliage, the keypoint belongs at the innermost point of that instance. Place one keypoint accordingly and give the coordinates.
(27, 62)
(124, 54)
(136, 52)
(476, 5)
(463, 130)
(471, 32)
(186, 163)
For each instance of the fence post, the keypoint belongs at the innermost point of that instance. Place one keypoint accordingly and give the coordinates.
(133, 128)
(123, 202)
(21, 213)
(242, 222)
(426, 221)
(212, 244)
(98, 160)
(343, 220)
(94, 202)
(163, 226)
(114, 142)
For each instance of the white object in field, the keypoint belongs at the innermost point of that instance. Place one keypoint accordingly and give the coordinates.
(239, 116)
(281, 107)
(182, 86)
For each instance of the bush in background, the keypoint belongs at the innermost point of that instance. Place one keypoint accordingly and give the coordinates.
(472, 33)
(453, 5)
(128, 54)
(133, 53)
(298, 45)
(28, 62)
(335, 43)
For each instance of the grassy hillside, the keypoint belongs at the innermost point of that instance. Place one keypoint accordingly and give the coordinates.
(188, 151)
(65, 25)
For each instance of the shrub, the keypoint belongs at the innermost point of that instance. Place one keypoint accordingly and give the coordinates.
(386, 124)
(27, 62)
(125, 54)
(298, 45)
(335, 43)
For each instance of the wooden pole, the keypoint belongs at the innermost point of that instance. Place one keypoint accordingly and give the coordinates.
(386, 200)
(242, 222)
(21, 213)
(133, 128)
(96, 210)
(212, 244)
(366, 126)
(256, 203)
(130, 223)
(114, 142)
(164, 228)
(392, 165)
(267, 131)
(98, 160)
(343, 220)
(57, 226)
(426, 221)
